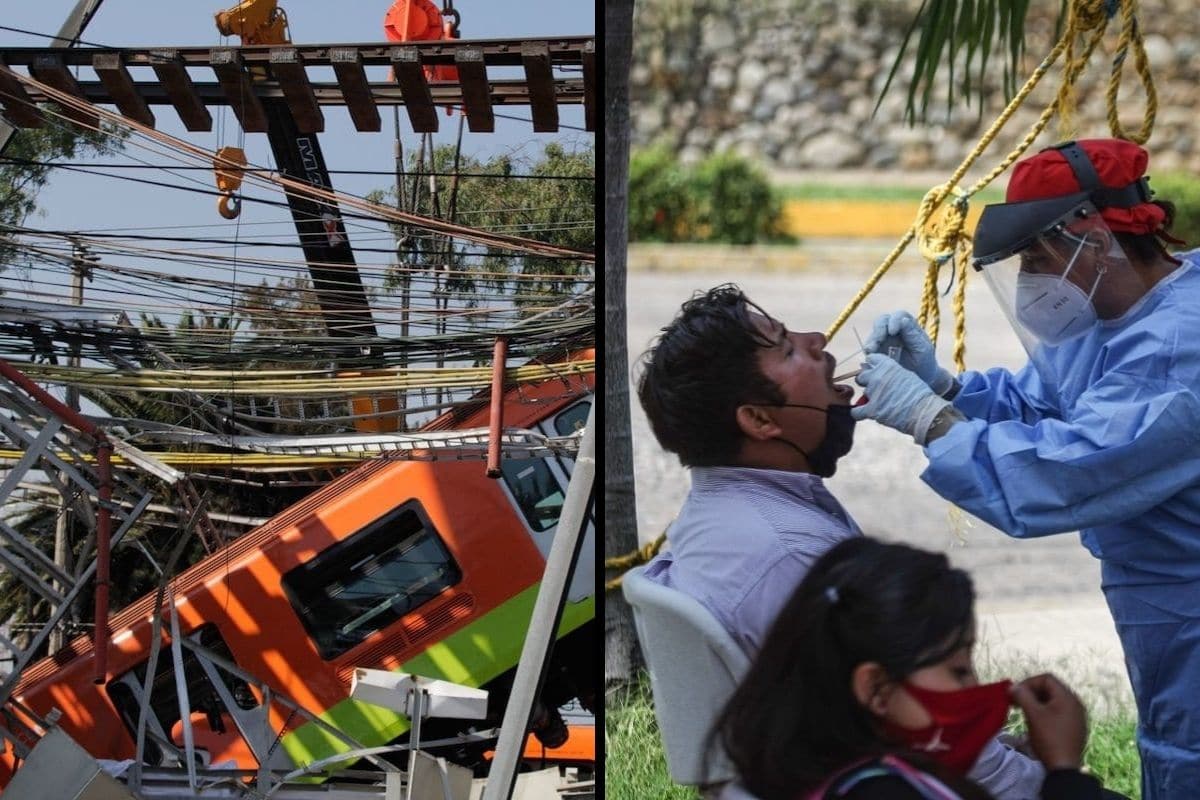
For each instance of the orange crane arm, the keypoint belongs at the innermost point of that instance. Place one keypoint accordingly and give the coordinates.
(255, 21)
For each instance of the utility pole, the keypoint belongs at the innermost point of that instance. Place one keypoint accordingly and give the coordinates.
(81, 269)
(402, 258)
(439, 270)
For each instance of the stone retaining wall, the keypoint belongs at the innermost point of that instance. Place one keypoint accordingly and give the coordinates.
(793, 83)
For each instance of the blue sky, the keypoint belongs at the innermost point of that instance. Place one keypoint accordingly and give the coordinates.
(73, 201)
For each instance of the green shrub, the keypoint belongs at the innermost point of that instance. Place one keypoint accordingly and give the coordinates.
(1182, 189)
(723, 199)
(736, 203)
(659, 198)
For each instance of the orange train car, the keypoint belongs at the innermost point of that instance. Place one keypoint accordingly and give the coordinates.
(426, 567)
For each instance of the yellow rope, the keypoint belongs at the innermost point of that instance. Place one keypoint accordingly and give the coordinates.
(630, 560)
(938, 241)
(932, 202)
(960, 308)
(942, 239)
(1081, 16)
(1131, 34)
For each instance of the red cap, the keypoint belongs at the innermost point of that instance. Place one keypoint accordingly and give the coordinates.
(1118, 163)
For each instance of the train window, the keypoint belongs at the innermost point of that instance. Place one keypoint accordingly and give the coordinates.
(572, 419)
(164, 699)
(367, 581)
(537, 493)
(123, 697)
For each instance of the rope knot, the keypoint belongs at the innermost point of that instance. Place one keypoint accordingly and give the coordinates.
(940, 237)
(1090, 15)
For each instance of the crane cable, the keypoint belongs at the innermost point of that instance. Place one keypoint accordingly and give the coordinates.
(941, 237)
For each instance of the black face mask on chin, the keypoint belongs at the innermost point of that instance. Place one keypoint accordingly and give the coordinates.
(839, 438)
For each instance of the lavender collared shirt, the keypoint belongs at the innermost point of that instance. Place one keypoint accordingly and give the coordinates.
(744, 539)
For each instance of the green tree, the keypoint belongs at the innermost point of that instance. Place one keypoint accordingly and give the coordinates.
(961, 37)
(556, 205)
(964, 37)
(736, 203)
(288, 307)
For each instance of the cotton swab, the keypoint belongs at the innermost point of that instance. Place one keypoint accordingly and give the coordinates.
(846, 376)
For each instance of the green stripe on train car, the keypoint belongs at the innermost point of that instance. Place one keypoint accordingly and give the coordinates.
(471, 656)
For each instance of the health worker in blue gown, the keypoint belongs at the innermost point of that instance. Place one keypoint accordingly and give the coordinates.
(1100, 431)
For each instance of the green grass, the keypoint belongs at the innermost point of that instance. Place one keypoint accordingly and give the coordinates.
(634, 765)
(635, 768)
(1112, 754)
(823, 191)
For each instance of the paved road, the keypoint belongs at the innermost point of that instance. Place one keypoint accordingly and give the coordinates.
(1038, 598)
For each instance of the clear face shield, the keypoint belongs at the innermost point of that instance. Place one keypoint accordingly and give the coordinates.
(1055, 279)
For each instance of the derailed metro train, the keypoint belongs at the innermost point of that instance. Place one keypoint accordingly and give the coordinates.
(426, 567)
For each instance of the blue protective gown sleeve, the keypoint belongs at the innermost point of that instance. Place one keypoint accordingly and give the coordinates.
(1127, 442)
(998, 395)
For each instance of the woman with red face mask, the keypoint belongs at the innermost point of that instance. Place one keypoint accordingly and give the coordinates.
(865, 688)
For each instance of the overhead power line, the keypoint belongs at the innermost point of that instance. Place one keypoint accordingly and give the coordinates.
(241, 242)
(51, 36)
(384, 173)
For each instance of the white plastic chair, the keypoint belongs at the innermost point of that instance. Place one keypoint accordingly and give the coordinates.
(694, 667)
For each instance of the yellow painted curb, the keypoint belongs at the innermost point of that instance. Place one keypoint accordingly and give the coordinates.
(856, 219)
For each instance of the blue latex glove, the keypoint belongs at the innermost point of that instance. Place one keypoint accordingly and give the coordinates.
(899, 336)
(897, 398)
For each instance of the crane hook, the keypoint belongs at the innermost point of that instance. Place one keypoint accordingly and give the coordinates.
(229, 205)
(229, 164)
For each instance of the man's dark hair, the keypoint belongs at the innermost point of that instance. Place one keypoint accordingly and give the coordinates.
(794, 721)
(702, 367)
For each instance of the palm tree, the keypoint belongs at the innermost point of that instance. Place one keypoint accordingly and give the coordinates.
(622, 656)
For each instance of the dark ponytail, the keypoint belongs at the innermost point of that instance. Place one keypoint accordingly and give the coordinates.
(793, 721)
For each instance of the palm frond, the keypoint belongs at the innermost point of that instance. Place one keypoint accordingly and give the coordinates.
(960, 35)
